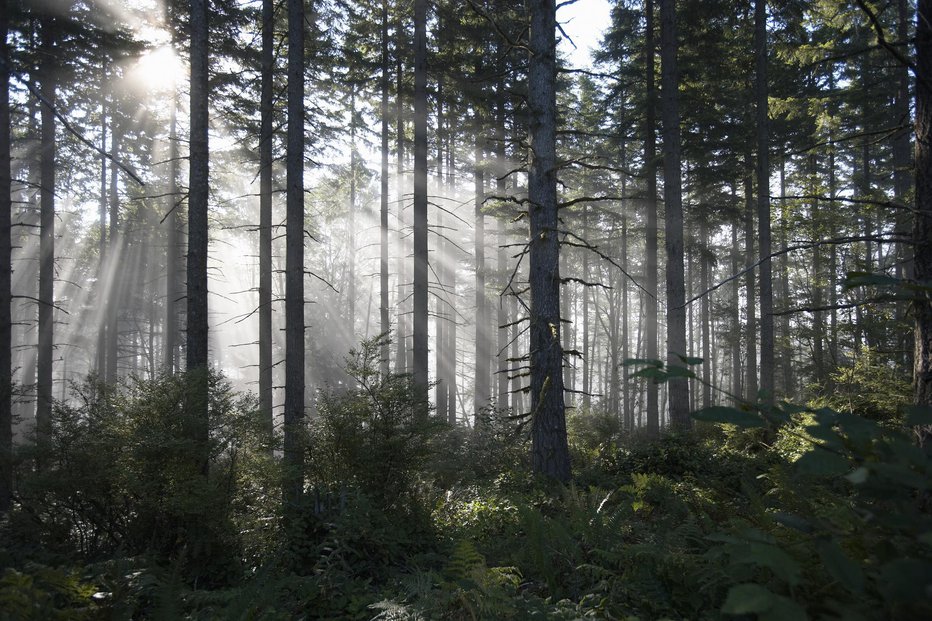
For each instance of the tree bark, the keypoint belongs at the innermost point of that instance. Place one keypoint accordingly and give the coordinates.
(6, 257)
(172, 287)
(420, 283)
(294, 257)
(678, 388)
(763, 202)
(751, 328)
(922, 224)
(102, 243)
(650, 261)
(47, 236)
(550, 451)
(384, 321)
(265, 215)
(482, 387)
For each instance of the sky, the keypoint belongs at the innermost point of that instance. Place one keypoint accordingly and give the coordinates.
(584, 22)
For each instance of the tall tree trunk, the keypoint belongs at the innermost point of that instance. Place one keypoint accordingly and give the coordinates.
(501, 262)
(293, 484)
(351, 241)
(751, 331)
(763, 201)
(628, 418)
(586, 358)
(705, 318)
(198, 179)
(6, 272)
(401, 331)
(172, 286)
(902, 167)
(650, 261)
(735, 317)
(420, 284)
(47, 239)
(481, 383)
(265, 215)
(673, 225)
(787, 347)
(117, 247)
(102, 242)
(384, 321)
(441, 316)
(550, 450)
(922, 225)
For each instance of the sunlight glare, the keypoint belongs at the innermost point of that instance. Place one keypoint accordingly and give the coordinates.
(158, 70)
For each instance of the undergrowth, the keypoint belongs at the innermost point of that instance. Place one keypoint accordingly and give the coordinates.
(784, 512)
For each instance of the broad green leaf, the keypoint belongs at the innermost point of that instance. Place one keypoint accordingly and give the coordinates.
(746, 599)
(729, 415)
(905, 579)
(675, 371)
(773, 558)
(690, 360)
(820, 462)
(840, 567)
(653, 373)
(863, 279)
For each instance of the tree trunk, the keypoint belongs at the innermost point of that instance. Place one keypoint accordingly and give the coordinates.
(481, 382)
(6, 272)
(550, 451)
(587, 359)
(401, 346)
(922, 224)
(47, 240)
(763, 202)
(673, 225)
(751, 328)
(705, 319)
(102, 243)
(351, 241)
(441, 317)
(650, 261)
(384, 321)
(501, 262)
(735, 317)
(265, 216)
(627, 417)
(293, 484)
(419, 294)
(788, 388)
(172, 286)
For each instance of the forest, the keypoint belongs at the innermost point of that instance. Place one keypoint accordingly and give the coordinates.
(466, 309)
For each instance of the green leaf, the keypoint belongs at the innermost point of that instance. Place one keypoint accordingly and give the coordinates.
(746, 599)
(773, 558)
(840, 567)
(675, 371)
(906, 579)
(729, 415)
(653, 373)
(819, 462)
(918, 415)
(864, 279)
(690, 360)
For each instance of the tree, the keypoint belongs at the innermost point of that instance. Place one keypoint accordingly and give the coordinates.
(550, 450)
(673, 223)
(294, 279)
(650, 206)
(420, 284)
(922, 224)
(384, 323)
(6, 256)
(47, 231)
(763, 201)
(198, 179)
(265, 213)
